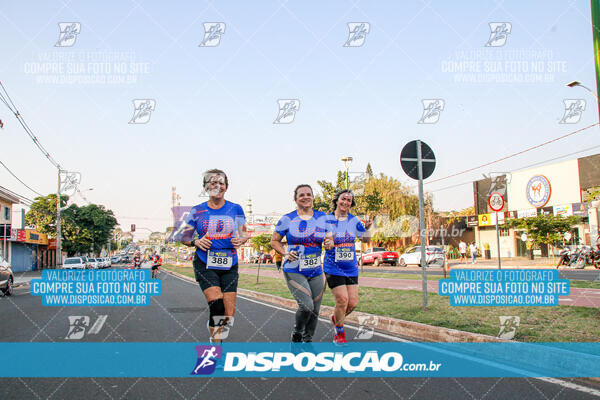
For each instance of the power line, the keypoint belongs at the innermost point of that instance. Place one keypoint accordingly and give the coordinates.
(522, 168)
(82, 196)
(512, 155)
(5, 98)
(23, 199)
(17, 178)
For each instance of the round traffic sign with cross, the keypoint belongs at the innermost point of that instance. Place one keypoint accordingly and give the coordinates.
(409, 159)
(496, 201)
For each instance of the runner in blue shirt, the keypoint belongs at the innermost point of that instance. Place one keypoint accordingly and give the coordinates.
(221, 228)
(304, 230)
(341, 268)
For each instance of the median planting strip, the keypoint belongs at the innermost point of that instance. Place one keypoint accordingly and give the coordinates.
(401, 312)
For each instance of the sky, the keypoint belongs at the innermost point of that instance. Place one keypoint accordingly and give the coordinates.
(214, 105)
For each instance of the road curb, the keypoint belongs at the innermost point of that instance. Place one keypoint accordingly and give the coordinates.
(406, 329)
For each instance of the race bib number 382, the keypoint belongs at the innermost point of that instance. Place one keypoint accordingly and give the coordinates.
(310, 261)
(219, 259)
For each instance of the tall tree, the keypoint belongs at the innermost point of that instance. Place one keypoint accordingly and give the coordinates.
(380, 195)
(390, 196)
(545, 228)
(262, 242)
(84, 229)
(369, 171)
(328, 189)
(42, 214)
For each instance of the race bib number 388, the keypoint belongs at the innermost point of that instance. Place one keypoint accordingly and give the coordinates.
(219, 259)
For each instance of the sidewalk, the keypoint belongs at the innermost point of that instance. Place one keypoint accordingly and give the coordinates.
(23, 278)
(578, 296)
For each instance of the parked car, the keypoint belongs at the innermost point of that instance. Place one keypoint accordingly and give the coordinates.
(115, 260)
(7, 279)
(108, 262)
(434, 256)
(75, 263)
(265, 258)
(94, 263)
(378, 256)
(88, 264)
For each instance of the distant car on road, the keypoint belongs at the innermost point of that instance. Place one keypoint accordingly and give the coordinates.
(115, 260)
(88, 264)
(94, 263)
(7, 279)
(75, 263)
(434, 256)
(378, 256)
(265, 258)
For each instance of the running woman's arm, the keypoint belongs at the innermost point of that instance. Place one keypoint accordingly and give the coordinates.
(241, 238)
(363, 230)
(278, 247)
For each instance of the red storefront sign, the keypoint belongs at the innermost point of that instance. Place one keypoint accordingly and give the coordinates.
(18, 235)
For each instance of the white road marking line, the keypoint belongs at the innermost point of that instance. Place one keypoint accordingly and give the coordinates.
(555, 381)
(98, 325)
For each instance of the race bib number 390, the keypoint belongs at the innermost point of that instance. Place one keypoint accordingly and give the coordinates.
(310, 261)
(219, 260)
(344, 254)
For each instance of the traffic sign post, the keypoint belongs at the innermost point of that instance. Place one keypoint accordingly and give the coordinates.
(496, 203)
(418, 162)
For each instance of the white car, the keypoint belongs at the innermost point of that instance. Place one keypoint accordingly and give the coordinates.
(433, 254)
(74, 263)
(94, 263)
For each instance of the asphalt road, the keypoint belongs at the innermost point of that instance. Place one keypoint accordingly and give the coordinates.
(180, 314)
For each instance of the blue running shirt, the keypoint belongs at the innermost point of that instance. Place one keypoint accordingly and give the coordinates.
(345, 233)
(306, 238)
(219, 226)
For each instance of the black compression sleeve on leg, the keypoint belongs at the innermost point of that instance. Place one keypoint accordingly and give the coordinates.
(217, 309)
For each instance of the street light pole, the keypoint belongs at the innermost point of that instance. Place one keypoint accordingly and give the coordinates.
(577, 83)
(347, 162)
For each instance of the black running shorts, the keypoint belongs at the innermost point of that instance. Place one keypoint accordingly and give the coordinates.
(227, 280)
(337, 280)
